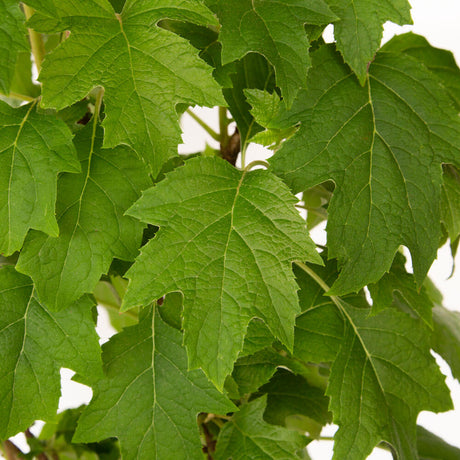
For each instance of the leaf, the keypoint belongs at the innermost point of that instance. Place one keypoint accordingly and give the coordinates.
(450, 201)
(440, 62)
(227, 240)
(13, 41)
(34, 345)
(145, 70)
(93, 228)
(289, 395)
(432, 447)
(274, 30)
(376, 391)
(446, 337)
(359, 31)
(148, 399)
(247, 435)
(398, 288)
(383, 145)
(34, 148)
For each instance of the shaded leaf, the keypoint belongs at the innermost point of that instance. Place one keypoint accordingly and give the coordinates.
(275, 31)
(34, 148)
(13, 41)
(34, 345)
(148, 399)
(383, 145)
(93, 228)
(247, 435)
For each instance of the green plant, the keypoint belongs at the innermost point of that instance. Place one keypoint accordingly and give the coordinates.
(228, 313)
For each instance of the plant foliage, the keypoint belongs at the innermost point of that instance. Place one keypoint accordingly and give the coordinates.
(238, 336)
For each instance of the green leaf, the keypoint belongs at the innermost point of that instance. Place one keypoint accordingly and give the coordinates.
(446, 337)
(450, 201)
(274, 30)
(34, 345)
(432, 447)
(440, 62)
(34, 148)
(398, 288)
(227, 240)
(359, 31)
(93, 228)
(148, 399)
(13, 41)
(247, 435)
(376, 391)
(290, 396)
(383, 145)
(145, 70)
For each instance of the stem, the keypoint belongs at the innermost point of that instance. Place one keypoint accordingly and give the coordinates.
(204, 125)
(256, 163)
(21, 97)
(11, 451)
(223, 126)
(36, 41)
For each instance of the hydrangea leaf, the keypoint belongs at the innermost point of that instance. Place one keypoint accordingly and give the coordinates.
(359, 31)
(148, 384)
(446, 337)
(290, 395)
(398, 288)
(34, 148)
(441, 62)
(275, 30)
(383, 145)
(247, 435)
(145, 70)
(227, 240)
(450, 203)
(13, 41)
(376, 391)
(93, 228)
(34, 344)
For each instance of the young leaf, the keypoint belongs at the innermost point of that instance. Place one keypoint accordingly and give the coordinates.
(260, 26)
(93, 228)
(34, 345)
(227, 240)
(144, 69)
(13, 41)
(247, 435)
(359, 30)
(148, 399)
(383, 145)
(34, 148)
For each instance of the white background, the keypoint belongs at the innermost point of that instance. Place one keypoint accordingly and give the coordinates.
(439, 22)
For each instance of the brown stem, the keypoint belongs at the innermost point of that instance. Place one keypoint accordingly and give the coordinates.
(230, 150)
(210, 446)
(11, 451)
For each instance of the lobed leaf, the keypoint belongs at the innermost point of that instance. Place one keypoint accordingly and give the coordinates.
(148, 399)
(383, 145)
(227, 241)
(93, 228)
(34, 344)
(34, 148)
(145, 70)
